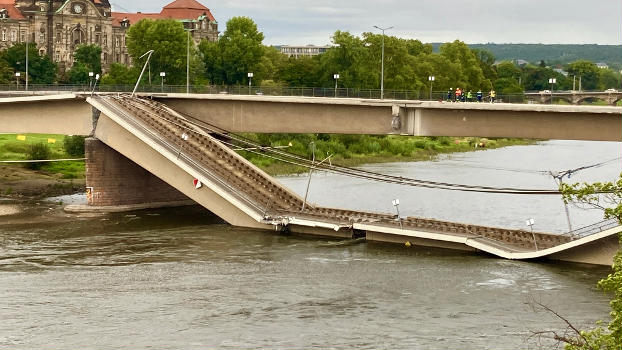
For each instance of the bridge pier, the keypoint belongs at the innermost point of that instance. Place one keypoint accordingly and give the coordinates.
(114, 180)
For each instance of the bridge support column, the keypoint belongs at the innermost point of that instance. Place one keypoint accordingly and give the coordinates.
(114, 180)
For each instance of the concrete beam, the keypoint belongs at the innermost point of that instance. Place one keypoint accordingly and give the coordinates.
(66, 114)
(69, 114)
(270, 114)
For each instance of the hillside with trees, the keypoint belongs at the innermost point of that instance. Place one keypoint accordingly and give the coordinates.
(553, 54)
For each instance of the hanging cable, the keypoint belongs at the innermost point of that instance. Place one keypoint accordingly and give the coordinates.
(297, 160)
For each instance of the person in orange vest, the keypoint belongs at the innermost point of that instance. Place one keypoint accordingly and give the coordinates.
(458, 94)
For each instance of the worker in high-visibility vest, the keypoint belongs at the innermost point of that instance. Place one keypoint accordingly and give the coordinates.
(493, 95)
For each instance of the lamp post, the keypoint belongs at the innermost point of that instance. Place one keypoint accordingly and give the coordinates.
(250, 81)
(431, 79)
(17, 75)
(336, 77)
(162, 76)
(148, 54)
(396, 204)
(91, 75)
(188, 63)
(382, 64)
(95, 84)
(27, 62)
(552, 81)
(530, 222)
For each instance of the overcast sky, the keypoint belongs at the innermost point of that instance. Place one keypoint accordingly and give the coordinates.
(303, 22)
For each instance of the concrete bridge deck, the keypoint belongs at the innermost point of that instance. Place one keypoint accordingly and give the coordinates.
(68, 114)
(149, 134)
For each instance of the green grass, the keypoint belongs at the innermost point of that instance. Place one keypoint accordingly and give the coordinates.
(353, 150)
(11, 148)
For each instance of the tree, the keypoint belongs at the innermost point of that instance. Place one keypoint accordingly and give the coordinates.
(78, 74)
(40, 68)
(120, 75)
(238, 52)
(588, 72)
(6, 72)
(89, 56)
(607, 197)
(302, 71)
(609, 79)
(471, 75)
(169, 40)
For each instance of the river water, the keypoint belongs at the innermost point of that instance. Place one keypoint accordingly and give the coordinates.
(180, 278)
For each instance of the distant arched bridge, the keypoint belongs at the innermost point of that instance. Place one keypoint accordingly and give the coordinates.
(575, 97)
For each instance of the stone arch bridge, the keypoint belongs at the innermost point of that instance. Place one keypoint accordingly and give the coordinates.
(575, 97)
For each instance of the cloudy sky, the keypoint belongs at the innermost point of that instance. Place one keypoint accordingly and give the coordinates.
(303, 22)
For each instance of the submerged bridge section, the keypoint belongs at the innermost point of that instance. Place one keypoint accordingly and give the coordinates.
(184, 156)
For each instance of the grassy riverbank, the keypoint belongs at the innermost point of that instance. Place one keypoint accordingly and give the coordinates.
(347, 150)
(354, 150)
(17, 180)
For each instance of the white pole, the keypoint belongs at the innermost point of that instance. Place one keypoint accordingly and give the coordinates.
(382, 63)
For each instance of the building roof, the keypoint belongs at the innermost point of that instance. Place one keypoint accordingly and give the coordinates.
(186, 9)
(117, 17)
(179, 10)
(13, 12)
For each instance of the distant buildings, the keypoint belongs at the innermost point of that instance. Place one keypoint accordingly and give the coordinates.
(602, 65)
(299, 51)
(57, 27)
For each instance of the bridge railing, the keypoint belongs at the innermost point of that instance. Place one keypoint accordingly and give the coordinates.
(592, 229)
(254, 90)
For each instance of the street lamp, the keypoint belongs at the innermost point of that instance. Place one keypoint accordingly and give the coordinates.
(95, 84)
(530, 222)
(250, 81)
(552, 81)
(396, 204)
(336, 77)
(162, 76)
(382, 67)
(17, 75)
(188, 63)
(431, 79)
(91, 75)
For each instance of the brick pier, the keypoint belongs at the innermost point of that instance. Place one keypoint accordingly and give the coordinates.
(114, 180)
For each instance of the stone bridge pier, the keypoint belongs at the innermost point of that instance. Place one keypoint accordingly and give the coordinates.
(112, 180)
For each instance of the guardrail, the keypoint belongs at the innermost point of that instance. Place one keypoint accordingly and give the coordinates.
(255, 90)
(592, 229)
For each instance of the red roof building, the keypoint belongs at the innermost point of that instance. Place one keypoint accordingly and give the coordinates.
(57, 27)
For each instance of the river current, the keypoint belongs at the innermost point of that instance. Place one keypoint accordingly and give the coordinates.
(180, 278)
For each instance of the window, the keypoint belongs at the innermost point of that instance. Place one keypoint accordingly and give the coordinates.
(13, 36)
(59, 37)
(3, 34)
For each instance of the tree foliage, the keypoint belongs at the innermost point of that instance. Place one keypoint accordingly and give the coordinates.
(238, 52)
(41, 68)
(6, 72)
(90, 56)
(170, 44)
(607, 197)
(588, 72)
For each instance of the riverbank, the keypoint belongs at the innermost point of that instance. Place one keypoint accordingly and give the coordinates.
(352, 151)
(19, 182)
(62, 178)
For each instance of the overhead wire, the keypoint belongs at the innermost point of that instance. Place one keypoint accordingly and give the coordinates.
(294, 159)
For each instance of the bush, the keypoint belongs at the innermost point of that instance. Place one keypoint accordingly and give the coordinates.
(38, 151)
(74, 146)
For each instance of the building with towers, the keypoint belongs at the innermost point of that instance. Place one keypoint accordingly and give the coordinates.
(57, 27)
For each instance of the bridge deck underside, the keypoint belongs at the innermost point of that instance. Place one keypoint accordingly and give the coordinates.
(280, 207)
